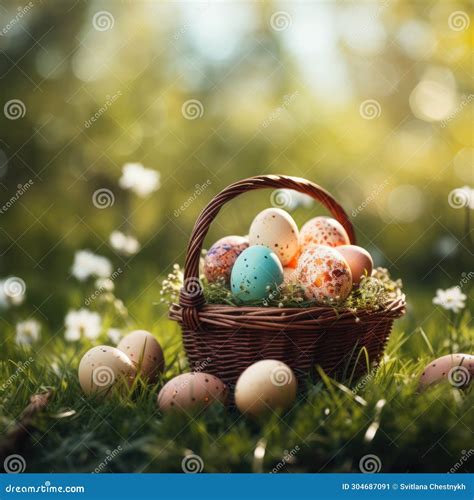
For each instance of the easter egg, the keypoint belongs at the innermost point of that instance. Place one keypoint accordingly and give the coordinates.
(101, 367)
(276, 229)
(324, 274)
(255, 272)
(265, 386)
(458, 369)
(191, 391)
(359, 261)
(220, 258)
(145, 353)
(323, 231)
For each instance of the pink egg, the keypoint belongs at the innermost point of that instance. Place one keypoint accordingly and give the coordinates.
(359, 261)
(324, 274)
(458, 369)
(221, 257)
(191, 391)
(323, 231)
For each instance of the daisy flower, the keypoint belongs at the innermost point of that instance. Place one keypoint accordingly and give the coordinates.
(82, 323)
(451, 299)
(88, 264)
(27, 332)
(142, 181)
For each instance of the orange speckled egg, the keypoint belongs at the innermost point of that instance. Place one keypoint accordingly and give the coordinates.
(221, 257)
(191, 391)
(458, 369)
(359, 261)
(323, 231)
(324, 274)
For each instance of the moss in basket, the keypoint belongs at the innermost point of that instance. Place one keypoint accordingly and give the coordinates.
(372, 293)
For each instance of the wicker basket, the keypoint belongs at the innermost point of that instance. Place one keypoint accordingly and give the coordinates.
(224, 340)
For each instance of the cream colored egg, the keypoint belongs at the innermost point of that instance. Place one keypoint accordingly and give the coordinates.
(276, 229)
(102, 367)
(324, 274)
(145, 352)
(265, 386)
(359, 261)
(191, 391)
(323, 231)
(458, 369)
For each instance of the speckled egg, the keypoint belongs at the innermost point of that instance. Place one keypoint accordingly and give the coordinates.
(458, 369)
(324, 274)
(265, 386)
(145, 353)
(359, 261)
(276, 229)
(101, 367)
(256, 271)
(191, 391)
(221, 257)
(323, 231)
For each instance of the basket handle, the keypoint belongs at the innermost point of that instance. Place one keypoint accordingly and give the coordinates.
(191, 297)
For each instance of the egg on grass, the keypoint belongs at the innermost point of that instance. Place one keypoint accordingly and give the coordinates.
(359, 261)
(324, 274)
(264, 387)
(457, 369)
(103, 367)
(221, 257)
(191, 392)
(145, 353)
(323, 231)
(256, 272)
(276, 229)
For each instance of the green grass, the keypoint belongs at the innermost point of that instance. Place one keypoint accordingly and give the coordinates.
(328, 430)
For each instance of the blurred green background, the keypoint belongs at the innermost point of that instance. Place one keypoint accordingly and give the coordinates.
(371, 100)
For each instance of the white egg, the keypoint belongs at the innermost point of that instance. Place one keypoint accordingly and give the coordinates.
(458, 369)
(102, 367)
(276, 229)
(265, 386)
(145, 353)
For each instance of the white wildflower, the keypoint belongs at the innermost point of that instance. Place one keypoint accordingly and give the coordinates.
(142, 181)
(114, 335)
(125, 244)
(27, 332)
(451, 299)
(104, 285)
(82, 323)
(88, 264)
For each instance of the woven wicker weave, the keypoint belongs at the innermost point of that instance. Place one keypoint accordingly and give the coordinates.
(224, 340)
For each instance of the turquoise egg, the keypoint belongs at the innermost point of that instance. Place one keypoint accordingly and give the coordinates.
(255, 269)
